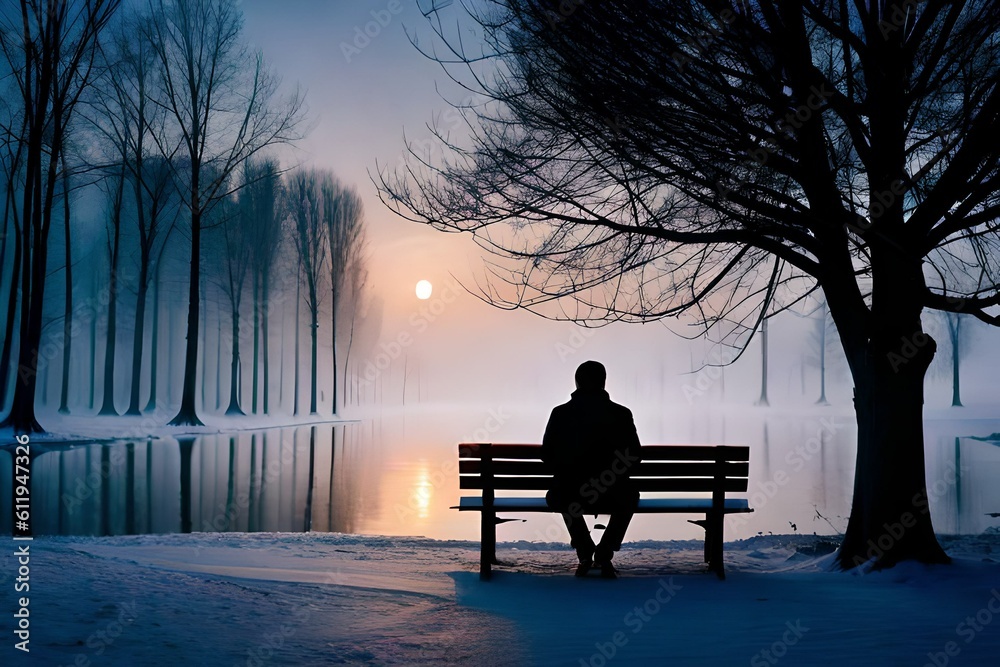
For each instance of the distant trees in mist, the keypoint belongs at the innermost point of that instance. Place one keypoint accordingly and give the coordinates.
(143, 138)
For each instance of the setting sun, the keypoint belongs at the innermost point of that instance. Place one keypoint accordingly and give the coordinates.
(424, 289)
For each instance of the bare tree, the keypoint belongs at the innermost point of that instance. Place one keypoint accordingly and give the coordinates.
(127, 116)
(958, 347)
(355, 281)
(817, 346)
(345, 234)
(297, 382)
(309, 192)
(260, 201)
(763, 365)
(114, 185)
(633, 161)
(124, 119)
(13, 150)
(154, 347)
(224, 107)
(49, 47)
(67, 342)
(233, 243)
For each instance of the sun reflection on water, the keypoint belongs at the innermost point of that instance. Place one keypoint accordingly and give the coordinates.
(423, 491)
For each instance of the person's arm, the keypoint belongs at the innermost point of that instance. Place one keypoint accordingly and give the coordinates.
(555, 443)
(633, 449)
(551, 446)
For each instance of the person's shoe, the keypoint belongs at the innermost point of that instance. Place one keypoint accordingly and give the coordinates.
(584, 567)
(608, 571)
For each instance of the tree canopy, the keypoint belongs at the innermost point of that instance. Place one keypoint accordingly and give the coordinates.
(724, 159)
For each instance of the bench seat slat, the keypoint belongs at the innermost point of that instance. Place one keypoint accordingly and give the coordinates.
(738, 453)
(641, 469)
(646, 505)
(669, 484)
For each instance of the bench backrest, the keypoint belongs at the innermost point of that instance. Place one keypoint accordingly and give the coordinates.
(668, 468)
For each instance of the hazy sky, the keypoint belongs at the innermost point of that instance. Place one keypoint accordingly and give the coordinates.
(360, 104)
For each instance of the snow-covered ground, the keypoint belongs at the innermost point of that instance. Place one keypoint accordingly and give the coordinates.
(319, 599)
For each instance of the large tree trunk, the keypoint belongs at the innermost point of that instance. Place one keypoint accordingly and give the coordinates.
(42, 223)
(10, 211)
(4, 235)
(34, 251)
(188, 415)
(22, 412)
(68, 303)
(12, 311)
(890, 515)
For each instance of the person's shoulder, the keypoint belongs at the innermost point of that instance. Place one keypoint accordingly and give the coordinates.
(561, 409)
(564, 407)
(621, 410)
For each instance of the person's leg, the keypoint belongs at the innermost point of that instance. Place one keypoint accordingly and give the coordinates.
(580, 538)
(623, 507)
(579, 534)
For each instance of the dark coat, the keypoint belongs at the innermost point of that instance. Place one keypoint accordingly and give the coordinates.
(593, 448)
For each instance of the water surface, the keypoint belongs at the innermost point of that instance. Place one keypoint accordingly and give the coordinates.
(394, 473)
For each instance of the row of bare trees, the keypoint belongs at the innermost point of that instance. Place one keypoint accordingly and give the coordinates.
(312, 222)
(51, 51)
(821, 343)
(166, 112)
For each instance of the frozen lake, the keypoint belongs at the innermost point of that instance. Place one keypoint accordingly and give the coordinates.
(394, 473)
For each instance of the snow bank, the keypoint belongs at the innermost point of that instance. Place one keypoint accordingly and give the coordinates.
(262, 599)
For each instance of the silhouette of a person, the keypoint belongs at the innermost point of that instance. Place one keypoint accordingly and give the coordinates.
(591, 444)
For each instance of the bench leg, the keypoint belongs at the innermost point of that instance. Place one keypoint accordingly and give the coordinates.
(488, 544)
(708, 541)
(708, 535)
(714, 542)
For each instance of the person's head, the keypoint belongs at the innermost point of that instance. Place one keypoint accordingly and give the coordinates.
(591, 375)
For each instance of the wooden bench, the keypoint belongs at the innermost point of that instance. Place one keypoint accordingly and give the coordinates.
(710, 469)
